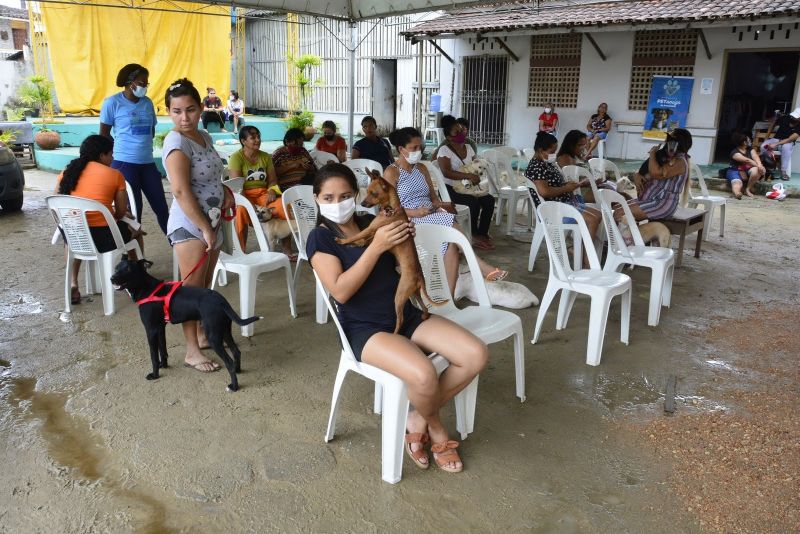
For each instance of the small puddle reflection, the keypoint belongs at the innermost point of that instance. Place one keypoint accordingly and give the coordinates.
(20, 305)
(71, 444)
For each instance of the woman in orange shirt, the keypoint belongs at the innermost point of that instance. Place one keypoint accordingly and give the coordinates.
(332, 143)
(90, 176)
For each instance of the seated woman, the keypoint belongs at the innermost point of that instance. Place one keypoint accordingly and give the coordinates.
(598, 126)
(550, 183)
(332, 143)
(452, 157)
(372, 146)
(419, 199)
(573, 150)
(464, 122)
(745, 166)
(261, 183)
(234, 111)
(212, 110)
(90, 176)
(548, 121)
(363, 282)
(661, 184)
(293, 164)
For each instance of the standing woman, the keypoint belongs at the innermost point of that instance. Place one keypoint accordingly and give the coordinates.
(132, 116)
(451, 157)
(194, 170)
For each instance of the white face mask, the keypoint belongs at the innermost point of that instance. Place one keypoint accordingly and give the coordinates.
(139, 91)
(551, 157)
(548, 110)
(340, 212)
(414, 157)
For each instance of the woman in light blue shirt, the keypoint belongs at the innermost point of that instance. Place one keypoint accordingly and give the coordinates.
(132, 116)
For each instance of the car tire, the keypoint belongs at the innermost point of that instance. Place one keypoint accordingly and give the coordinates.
(11, 205)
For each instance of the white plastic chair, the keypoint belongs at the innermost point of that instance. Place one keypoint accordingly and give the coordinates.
(322, 158)
(249, 266)
(299, 202)
(462, 212)
(489, 324)
(709, 202)
(391, 400)
(599, 166)
(507, 197)
(538, 235)
(528, 153)
(357, 166)
(661, 261)
(69, 212)
(434, 134)
(509, 151)
(601, 286)
(574, 173)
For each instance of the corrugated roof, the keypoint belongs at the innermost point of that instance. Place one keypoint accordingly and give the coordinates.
(541, 15)
(7, 12)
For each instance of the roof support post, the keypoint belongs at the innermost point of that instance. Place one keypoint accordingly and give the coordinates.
(505, 47)
(596, 46)
(705, 43)
(353, 46)
(420, 73)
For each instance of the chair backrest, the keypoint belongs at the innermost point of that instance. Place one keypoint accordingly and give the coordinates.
(508, 151)
(438, 179)
(321, 157)
(69, 212)
(616, 242)
(263, 242)
(235, 184)
(528, 153)
(574, 173)
(599, 167)
(358, 165)
(498, 163)
(552, 215)
(332, 312)
(301, 210)
(131, 201)
(697, 173)
(429, 239)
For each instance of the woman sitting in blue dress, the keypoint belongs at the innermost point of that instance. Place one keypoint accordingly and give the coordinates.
(362, 282)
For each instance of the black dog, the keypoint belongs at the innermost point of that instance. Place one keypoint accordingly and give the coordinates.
(186, 304)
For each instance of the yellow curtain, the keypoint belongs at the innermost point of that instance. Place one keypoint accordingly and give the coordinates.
(88, 45)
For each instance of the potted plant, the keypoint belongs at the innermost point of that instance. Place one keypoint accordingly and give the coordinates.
(37, 93)
(47, 139)
(304, 120)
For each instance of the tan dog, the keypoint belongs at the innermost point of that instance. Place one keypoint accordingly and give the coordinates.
(655, 231)
(274, 227)
(412, 282)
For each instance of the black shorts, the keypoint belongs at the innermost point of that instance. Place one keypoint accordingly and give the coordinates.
(359, 337)
(102, 237)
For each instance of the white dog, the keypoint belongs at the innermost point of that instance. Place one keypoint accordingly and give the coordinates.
(506, 294)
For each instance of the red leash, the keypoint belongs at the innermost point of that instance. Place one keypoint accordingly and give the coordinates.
(173, 287)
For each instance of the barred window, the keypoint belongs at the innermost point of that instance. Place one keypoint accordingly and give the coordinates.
(555, 70)
(659, 53)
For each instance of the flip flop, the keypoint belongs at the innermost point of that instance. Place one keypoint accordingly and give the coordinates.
(75, 296)
(481, 245)
(292, 257)
(496, 276)
(445, 453)
(197, 367)
(416, 456)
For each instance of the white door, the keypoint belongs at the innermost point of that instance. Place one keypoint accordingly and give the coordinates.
(384, 92)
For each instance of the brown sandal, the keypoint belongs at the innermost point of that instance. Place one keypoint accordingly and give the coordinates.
(445, 453)
(416, 456)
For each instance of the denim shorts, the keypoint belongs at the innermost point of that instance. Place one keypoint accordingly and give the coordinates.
(733, 174)
(182, 235)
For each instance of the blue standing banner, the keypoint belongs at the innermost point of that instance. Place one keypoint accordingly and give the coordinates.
(668, 106)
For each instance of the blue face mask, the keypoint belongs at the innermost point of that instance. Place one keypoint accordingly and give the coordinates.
(139, 91)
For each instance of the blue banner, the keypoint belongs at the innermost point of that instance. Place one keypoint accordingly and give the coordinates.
(668, 106)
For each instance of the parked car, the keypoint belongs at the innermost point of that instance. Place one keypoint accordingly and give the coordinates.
(12, 181)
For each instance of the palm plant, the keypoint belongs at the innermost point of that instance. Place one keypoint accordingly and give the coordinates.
(37, 92)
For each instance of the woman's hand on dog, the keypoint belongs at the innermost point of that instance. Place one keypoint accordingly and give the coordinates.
(474, 178)
(392, 234)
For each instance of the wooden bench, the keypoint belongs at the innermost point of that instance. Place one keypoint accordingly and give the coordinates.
(685, 221)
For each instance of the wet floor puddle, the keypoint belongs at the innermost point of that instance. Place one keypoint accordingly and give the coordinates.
(71, 444)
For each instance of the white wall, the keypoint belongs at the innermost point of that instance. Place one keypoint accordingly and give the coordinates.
(12, 74)
(608, 81)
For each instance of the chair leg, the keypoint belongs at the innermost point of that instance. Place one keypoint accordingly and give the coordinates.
(547, 299)
(657, 280)
(722, 220)
(667, 295)
(290, 289)
(465, 408)
(498, 214)
(105, 266)
(247, 300)
(337, 388)
(565, 308)
(709, 220)
(536, 244)
(625, 315)
(519, 363)
(68, 285)
(393, 426)
(214, 277)
(597, 328)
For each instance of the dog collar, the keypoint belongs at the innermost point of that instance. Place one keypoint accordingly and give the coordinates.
(154, 297)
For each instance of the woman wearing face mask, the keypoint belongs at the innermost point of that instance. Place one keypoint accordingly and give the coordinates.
(550, 183)
(332, 143)
(293, 164)
(133, 118)
(573, 150)
(745, 166)
(662, 178)
(415, 189)
(194, 170)
(548, 121)
(452, 157)
(212, 109)
(363, 282)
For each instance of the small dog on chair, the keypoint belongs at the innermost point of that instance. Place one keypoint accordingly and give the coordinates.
(180, 304)
(274, 227)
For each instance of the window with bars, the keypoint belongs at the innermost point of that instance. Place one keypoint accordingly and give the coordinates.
(555, 70)
(659, 53)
